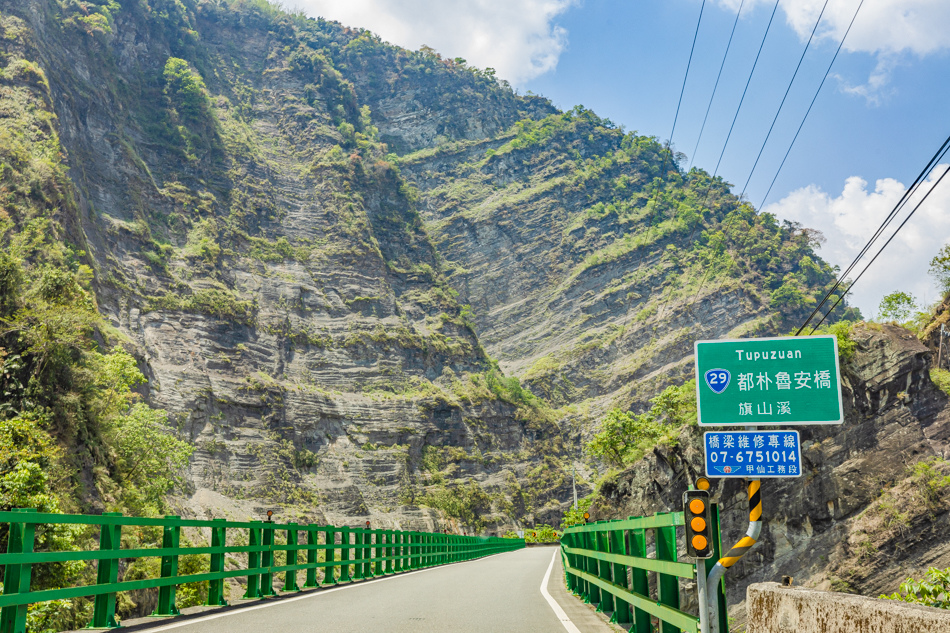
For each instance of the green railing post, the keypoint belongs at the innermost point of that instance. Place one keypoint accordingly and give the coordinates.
(313, 557)
(253, 562)
(358, 554)
(290, 576)
(107, 572)
(267, 561)
(710, 563)
(171, 537)
(369, 553)
(216, 586)
(590, 566)
(603, 570)
(16, 579)
(618, 546)
(397, 563)
(668, 587)
(641, 584)
(329, 556)
(345, 554)
(391, 552)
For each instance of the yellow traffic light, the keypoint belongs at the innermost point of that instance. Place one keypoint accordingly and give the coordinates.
(698, 524)
(703, 484)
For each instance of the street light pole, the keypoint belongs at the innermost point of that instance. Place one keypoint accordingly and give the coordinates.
(574, 484)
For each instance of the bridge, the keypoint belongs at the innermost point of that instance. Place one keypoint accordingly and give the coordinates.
(259, 576)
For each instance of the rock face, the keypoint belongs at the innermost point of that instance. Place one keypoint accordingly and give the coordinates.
(269, 267)
(315, 242)
(872, 506)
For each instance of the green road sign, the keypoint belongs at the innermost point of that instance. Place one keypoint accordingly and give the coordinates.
(761, 381)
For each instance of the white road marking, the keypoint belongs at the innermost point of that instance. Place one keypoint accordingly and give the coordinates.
(558, 611)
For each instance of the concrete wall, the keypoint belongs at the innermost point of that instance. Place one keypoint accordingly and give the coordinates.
(773, 608)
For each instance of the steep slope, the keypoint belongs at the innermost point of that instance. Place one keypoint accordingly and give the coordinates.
(269, 267)
(592, 261)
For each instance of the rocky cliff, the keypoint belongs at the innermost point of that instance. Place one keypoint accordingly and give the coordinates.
(873, 505)
(315, 244)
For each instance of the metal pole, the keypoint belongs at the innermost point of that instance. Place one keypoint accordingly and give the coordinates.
(574, 479)
(940, 348)
(703, 601)
(737, 551)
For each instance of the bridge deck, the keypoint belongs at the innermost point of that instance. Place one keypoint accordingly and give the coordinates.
(498, 594)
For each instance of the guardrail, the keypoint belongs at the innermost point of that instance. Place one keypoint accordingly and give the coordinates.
(606, 563)
(349, 554)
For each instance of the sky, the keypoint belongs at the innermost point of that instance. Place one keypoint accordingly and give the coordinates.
(880, 116)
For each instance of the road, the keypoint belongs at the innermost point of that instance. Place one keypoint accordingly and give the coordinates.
(497, 594)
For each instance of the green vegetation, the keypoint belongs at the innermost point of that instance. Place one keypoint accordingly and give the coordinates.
(540, 534)
(625, 437)
(467, 503)
(933, 591)
(941, 378)
(897, 306)
(575, 516)
(940, 268)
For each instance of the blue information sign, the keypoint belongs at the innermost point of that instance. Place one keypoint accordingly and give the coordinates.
(753, 454)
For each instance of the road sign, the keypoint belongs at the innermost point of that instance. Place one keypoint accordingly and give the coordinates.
(757, 454)
(768, 381)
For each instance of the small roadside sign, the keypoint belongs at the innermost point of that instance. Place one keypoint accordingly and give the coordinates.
(753, 454)
(768, 381)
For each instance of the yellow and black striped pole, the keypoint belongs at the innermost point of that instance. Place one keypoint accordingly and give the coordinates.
(738, 550)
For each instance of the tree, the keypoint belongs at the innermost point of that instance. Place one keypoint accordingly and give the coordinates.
(940, 268)
(897, 306)
(932, 592)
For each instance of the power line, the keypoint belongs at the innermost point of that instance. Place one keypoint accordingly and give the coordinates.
(748, 81)
(807, 112)
(782, 104)
(716, 86)
(688, 64)
(909, 216)
(938, 155)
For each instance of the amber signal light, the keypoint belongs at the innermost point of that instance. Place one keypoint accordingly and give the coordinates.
(698, 524)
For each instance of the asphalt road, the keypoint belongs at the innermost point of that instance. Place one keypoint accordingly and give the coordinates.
(498, 594)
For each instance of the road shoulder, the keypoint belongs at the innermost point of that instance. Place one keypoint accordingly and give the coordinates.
(584, 616)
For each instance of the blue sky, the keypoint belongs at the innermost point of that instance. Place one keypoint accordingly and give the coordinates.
(879, 118)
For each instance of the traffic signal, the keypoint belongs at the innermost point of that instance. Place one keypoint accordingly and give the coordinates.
(586, 517)
(699, 541)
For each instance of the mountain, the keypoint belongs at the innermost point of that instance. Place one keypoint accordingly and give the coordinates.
(362, 282)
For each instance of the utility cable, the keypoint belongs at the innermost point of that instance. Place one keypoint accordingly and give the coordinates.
(715, 87)
(748, 81)
(782, 104)
(807, 112)
(909, 216)
(938, 155)
(688, 64)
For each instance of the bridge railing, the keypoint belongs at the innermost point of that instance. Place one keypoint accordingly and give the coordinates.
(342, 554)
(606, 563)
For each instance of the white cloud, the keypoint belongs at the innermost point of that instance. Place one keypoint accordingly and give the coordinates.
(849, 220)
(518, 38)
(887, 29)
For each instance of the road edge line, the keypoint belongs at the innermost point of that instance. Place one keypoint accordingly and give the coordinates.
(558, 610)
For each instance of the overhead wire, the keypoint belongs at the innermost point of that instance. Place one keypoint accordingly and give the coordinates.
(669, 144)
(688, 64)
(808, 111)
(934, 160)
(782, 104)
(725, 144)
(746, 89)
(896, 231)
(715, 87)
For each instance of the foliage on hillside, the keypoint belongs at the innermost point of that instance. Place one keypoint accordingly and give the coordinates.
(624, 436)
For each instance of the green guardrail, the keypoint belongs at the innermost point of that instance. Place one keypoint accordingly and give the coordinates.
(606, 563)
(350, 554)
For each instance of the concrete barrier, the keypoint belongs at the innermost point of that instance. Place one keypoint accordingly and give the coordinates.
(773, 608)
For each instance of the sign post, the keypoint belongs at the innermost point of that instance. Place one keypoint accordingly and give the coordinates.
(750, 383)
